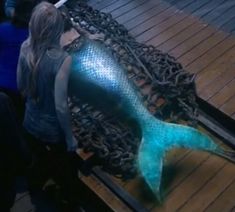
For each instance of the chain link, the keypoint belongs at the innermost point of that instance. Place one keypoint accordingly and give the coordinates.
(168, 91)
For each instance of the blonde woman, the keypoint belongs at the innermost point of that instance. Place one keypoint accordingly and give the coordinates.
(42, 77)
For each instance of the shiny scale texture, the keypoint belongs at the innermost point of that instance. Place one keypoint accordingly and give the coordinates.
(94, 65)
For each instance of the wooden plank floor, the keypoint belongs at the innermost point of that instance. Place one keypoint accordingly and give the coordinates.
(224, 10)
(196, 181)
(201, 48)
(192, 181)
(200, 181)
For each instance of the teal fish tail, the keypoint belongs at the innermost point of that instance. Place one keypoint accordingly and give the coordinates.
(150, 162)
(159, 137)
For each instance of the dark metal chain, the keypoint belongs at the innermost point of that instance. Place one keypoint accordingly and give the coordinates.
(113, 141)
(167, 89)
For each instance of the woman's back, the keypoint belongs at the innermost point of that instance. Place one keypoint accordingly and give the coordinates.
(40, 115)
(42, 75)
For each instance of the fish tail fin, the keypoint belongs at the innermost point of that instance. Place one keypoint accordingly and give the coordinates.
(159, 137)
(187, 137)
(150, 164)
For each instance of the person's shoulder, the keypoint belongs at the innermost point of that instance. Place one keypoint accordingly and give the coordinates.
(25, 44)
(24, 47)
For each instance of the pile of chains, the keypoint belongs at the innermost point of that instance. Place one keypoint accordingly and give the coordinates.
(114, 142)
(168, 91)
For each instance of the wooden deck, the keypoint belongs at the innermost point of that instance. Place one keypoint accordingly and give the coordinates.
(202, 49)
(196, 182)
(193, 181)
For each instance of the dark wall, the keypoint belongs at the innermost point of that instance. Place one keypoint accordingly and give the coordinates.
(2, 16)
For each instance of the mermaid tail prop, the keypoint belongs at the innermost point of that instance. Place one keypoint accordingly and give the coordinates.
(95, 69)
(159, 137)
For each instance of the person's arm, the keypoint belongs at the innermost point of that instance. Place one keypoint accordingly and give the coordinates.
(70, 23)
(96, 36)
(61, 103)
(69, 37)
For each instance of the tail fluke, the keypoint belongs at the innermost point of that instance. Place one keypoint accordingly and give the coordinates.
(159, 137)
(150, 161)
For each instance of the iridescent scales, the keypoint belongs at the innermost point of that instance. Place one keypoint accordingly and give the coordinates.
(93, 65)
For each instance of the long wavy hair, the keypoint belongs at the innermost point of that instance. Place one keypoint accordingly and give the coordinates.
(46, 26)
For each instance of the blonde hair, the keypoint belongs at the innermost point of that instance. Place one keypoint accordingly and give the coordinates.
(45, 29)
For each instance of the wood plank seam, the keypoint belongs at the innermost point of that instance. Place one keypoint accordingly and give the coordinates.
(102, 4)
(116, 8)
(219, 91)
(137, 21)
(168, 9)
(220, 194)
(199, 189)
(183, 19)
(188, 175)
(200, 21)
(182, 157)
(129, 17)
(222, 179)
(142, 2)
